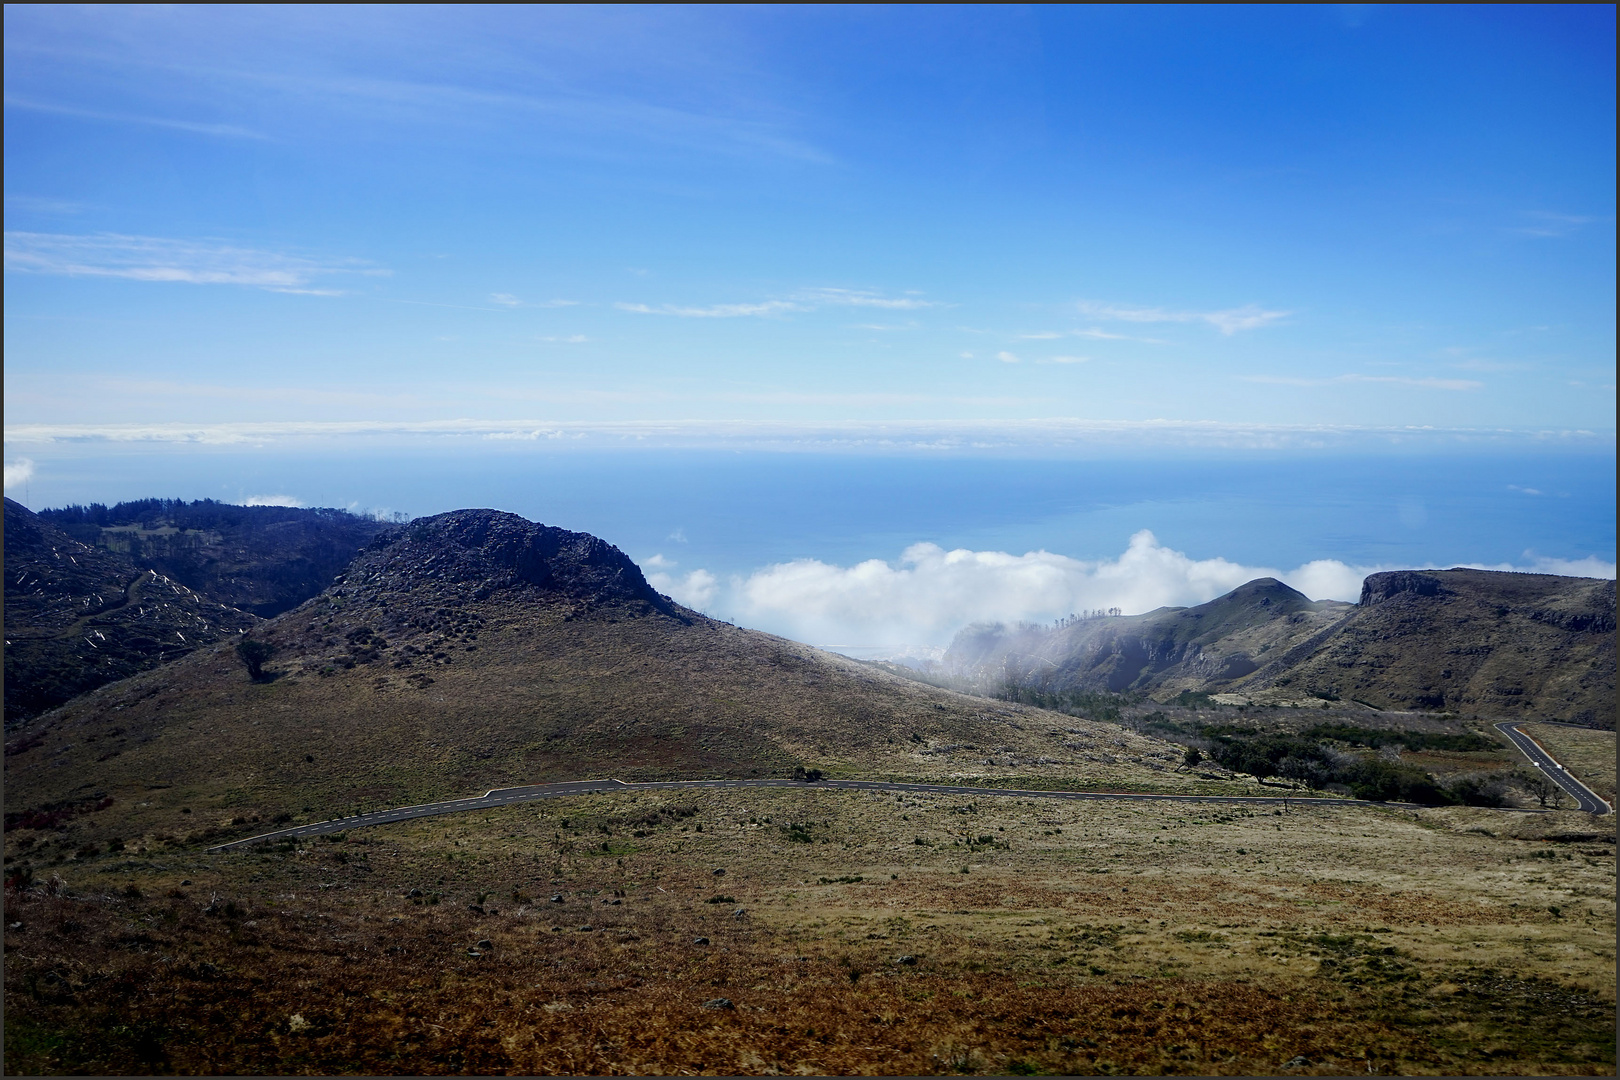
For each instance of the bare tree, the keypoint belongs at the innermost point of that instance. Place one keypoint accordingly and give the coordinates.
(1543, 787)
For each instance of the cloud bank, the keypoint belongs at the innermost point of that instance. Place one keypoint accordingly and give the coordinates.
(929, 593)
(1046, 434)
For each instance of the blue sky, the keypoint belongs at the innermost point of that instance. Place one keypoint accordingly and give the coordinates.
(1329, 215)
(1122, 230)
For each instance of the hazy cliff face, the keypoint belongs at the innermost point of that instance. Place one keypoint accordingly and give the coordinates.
(1202, 647)
(1478, 641)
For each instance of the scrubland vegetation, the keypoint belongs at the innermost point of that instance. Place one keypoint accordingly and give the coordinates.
(821, 931)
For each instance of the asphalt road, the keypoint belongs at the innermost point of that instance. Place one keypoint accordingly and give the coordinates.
(1561, 776)
(507, 796)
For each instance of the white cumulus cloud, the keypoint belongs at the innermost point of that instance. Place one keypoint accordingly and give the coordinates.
(695, 590)
(930, 593)
(271, 500)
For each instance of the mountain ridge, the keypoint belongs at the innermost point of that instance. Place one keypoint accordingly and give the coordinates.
(1484, 641)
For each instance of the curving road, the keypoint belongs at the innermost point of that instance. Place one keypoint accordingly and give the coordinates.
(507, 796)
(1585, 796)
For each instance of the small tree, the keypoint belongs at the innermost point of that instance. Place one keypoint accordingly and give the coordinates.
(1542, 786)
(1192, 757)
(253, 655)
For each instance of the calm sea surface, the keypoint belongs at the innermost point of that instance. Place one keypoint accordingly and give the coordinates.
(730, 512)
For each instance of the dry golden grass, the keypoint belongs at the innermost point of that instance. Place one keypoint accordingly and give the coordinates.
(529, 694)
(1088, 938)
(1587, 753)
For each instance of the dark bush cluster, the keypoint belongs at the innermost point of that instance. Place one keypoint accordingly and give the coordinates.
(1086, 704)
(1411, 740)
(1311, 762)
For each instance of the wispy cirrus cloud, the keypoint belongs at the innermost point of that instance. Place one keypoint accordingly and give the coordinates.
(1228, 321)
(1480, 364)
(803, 300)
(33, 204)
(160, 259)
(190, 127)
(509, 301)
(1545, 224)
(1089, 334)
(861, 298)
(713, 311)
(1395, 380)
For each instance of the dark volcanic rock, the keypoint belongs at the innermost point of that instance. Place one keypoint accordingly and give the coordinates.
(1399, 584)
(78, 617)
(473, 554)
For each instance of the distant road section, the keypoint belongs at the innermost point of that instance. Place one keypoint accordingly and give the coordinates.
(507, 796)
(1585, 796)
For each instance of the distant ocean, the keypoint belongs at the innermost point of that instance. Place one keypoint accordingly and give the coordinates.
(731, 513)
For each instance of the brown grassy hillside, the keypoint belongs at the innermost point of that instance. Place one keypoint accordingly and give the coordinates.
(477, 650)
(1105, 938)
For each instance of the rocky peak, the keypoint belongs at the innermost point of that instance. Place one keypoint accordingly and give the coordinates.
(1269, 593)
(477, 553)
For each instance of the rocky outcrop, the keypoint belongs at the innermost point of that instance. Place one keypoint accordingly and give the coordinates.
(474, 554)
